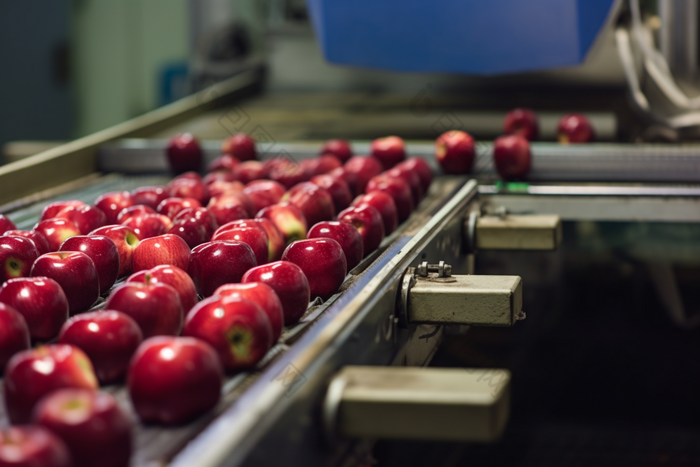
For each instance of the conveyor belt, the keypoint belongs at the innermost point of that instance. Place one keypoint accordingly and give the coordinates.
(155, 445)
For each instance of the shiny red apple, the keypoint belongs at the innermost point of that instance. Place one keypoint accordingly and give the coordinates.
(42, 303)
(384, 204)
(220, 262)
(174, 379)
(286, 172)
(390, 150)
(56, 231)
(75, 273)
(126, 241)
(421, 168)
(155, 306)
(288, 219)
(275, 239)
(315, 202)
(398, 189)
(363, 169)
(188, 188)
(174, 277)
(410, 177)
(337, 188)
(32, 446)
(241, 146)
(17, 255)
(38, 238)
(164, 249)
(6, 224)
(575, 128)
(250, 170)
(86, 218)
(340, 148)
(150, 196)
(91, 423)
(347, 237)
(323, 262)
(109, 338)
(289, 283)
(350, 178)
(104, 254)
(522, 122)
(184, 153)
(112, 203)
(368, 222)
(238, 329)
(14, 334)
(455, 151)
(264, 193)
(32, 374)
(51, 209)
(264, 296)
(224, 163)
(512, 157)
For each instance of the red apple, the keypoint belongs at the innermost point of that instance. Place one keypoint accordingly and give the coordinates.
(512, 157)
(384, 204)
(398, 189)
(51, 209)
(174, 379)
(188, 188)
(253, 235)
(183, 153)
(42, 303)
(191, 175)
(17, 254)
(337, 188)
(32, 446)
(350, 178)
(40, 242)
(323, 164)
(174, 277)
(171, 207)
(6, 224)
(32, 374)
(86, 218)
(250, 170)
(148, 225)
(238, 329)
(337, 147)
(411, 178)
(315, 203)
(56, 231)
(190, 230)
(363, 168)
(75, 273)
(289, 283)
(522, 122)
(224, 202)
(126, 241)
(224, 163)
(91, 423)
(262, 295)
(421, 168)
(390, 150)
(575, 128)
(221, 181)
(347, 237)
(264, 193)
(241, 146)
(109, 338)
(104, 254)
(286, 172)
(112, 204)
(275, 239)
(288, 219)
(135, 210)
(323, 262)
(164, 249)
(202, 216)
(455, 152)
(220, 262)
(14, 333)
(150, 196)
(155, 306)
(368, 222)
(224, 213)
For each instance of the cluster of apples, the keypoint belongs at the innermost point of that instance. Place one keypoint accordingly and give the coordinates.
(257, 241)
(455, 150)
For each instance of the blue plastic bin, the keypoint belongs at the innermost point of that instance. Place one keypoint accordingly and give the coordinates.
(468, 36)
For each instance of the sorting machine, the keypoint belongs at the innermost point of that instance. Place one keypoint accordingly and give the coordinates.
(356, 369)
